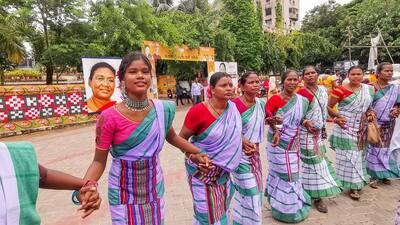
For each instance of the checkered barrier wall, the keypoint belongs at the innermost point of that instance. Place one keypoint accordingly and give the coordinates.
(40, 106)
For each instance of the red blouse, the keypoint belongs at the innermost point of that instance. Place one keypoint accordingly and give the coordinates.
(307, 94)
(274, 103)
(341, 93)
(198, 118)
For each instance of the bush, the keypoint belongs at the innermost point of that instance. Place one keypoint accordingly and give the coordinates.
(22, 73)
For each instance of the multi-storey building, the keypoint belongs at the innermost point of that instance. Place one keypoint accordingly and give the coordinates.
(279, 14)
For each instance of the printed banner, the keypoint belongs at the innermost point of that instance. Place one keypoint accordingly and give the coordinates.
(101, 82)
(156, 51)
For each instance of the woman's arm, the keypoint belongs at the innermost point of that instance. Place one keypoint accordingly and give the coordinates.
(181, 142)
(190, 150)
(53, 179)
(339, 120)
(88, 194)
(98, 165)
(331, 104)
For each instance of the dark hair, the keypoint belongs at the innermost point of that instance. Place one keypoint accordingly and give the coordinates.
(216, 77)
(128, 59)
(379, 68)
(306, 67)
(328, 71)
(354, 67)
(98, 66)
(243, 78)
(286, 73)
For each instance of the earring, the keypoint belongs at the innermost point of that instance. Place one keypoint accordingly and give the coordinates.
(124, 95)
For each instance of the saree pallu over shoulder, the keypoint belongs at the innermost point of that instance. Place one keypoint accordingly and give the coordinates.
(222, 139)
(353, 109)
(350, 157)
(382, 161)
(247, 178)
(212, 193)
(19, 184)
(289, 202)
(148, 138)
(317, 173)
(135, 184)
(253, 122)
(384, 100)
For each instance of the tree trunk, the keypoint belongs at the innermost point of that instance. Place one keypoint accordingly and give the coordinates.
(49, 67)
(49, 74)
(2, 78)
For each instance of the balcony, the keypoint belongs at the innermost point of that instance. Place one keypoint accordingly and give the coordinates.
(294, 16)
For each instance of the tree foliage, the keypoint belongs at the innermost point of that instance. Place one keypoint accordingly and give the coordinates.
(241, 20)
(61, 31)
(362, 19)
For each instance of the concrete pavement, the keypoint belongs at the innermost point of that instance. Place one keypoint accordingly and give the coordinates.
(71, 150)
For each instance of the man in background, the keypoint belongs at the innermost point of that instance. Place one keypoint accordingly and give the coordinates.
(196, 91)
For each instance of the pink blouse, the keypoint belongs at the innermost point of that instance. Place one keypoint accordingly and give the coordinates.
(113, 128)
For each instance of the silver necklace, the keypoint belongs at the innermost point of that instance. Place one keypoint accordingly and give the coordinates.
(133, 105)
(137, 105)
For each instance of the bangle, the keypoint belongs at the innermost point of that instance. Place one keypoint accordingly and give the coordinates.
(74, 198)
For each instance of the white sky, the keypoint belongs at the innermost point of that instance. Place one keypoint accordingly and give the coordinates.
(306, 5)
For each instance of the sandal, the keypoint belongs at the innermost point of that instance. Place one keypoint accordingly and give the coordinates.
(321, 207)
(354, 194)
(373, 183)
(386, 181)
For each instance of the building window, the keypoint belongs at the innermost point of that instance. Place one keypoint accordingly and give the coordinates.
(293, 10)
(268, 11)
(268, 23)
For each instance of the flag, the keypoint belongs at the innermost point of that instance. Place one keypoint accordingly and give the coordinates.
(373, 52)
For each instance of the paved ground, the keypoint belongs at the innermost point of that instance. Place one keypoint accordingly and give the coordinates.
(71, 150)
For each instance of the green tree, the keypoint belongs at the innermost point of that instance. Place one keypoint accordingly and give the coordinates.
(224, 44)
(361, 18)
(241, 20)
(12, 50)
(161, 5)
(323, 21)
(193, 6)
(279, 15)
(46, 21)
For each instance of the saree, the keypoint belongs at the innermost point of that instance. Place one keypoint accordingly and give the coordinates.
(350, 159)
(19, 184)
(247, 178)
(212, 193)
(135, 183)
(284, 191)
(317, 173)
(382, 161)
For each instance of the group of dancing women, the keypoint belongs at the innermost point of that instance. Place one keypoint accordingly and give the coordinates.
(221, 140)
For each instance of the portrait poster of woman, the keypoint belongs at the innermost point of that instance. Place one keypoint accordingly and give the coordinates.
(101, 82)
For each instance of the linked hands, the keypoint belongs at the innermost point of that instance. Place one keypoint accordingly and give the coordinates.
(203, 162)
(89, 198)
(248, 148)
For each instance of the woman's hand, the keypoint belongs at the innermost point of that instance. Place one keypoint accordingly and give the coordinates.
(90, 200)
(394, 113)
(370, 115)
(340, 121)
(248, 147)
(274, 120)
(308, 124)
(276, 138)
(202, 161)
